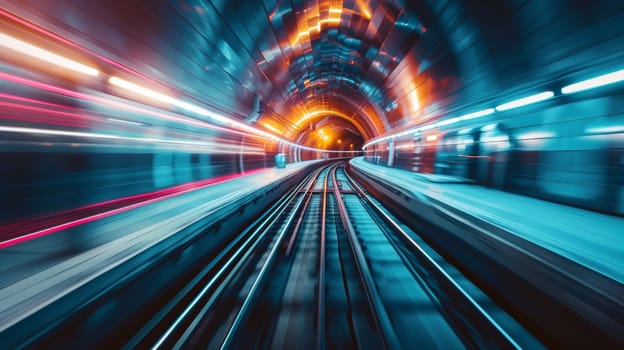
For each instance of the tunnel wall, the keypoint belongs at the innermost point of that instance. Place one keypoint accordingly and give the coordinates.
(569, 151)
(508, 47)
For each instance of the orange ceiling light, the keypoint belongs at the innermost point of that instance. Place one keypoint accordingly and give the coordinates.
(271, 127)
(334, 15)
(413, 99)
(365, 125)
(364, 8)
(314, 114)
(309, 116)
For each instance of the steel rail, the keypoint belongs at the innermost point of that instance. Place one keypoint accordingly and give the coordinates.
(241, 315)
(227, 260)
(492, 332)
(297, 228)
(320, 293)
(381, 317)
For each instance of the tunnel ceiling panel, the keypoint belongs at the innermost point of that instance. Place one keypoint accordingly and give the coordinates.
(307, 60)
(374, 65)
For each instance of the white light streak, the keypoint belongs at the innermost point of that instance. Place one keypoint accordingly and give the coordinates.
(599, 81)
(478, 114)
(525, 101)
(44, 55)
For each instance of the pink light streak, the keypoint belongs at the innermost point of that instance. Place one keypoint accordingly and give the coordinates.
(33, 101)
(70, 43)
(75, 118)
(49, 226)
(116, 104)
(119, 66)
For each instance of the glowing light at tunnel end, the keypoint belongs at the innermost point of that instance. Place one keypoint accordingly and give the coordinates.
(161, 97)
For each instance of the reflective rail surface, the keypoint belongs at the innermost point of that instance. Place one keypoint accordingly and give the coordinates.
(327, 267)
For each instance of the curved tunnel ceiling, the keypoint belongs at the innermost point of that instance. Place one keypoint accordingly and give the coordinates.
(363, 67)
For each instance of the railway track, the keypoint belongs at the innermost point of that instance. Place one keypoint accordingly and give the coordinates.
(327, 267)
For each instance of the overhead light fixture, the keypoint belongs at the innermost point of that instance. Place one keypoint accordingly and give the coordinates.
(478, 114)
(44, 55)
(592, 83)
(536, 135)
(614, 129)
(124, 84)
(599, 81)
(525, 101)
(426, 127)
(448, 121)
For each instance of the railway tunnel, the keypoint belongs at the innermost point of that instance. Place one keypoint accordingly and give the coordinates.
(311, 174)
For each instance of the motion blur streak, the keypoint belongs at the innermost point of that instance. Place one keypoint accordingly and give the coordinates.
(69, 43)
(478, 114)
(210, 146)
(58, 132)
(184, 105)
(31, 50)
(602, 80)
(115, 103)
(48, 116)
(525, 101)
(30, 100)
(21, 233)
